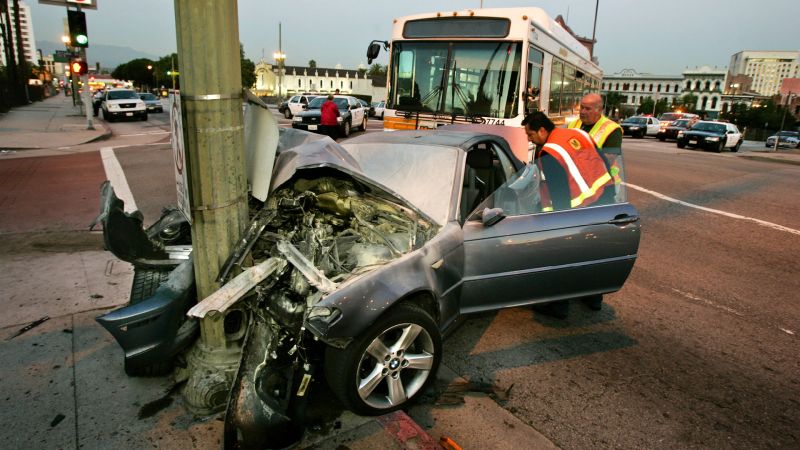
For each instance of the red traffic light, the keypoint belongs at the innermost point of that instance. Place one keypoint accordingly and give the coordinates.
(78, 67)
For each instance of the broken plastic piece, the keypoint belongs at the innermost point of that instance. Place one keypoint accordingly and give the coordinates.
(237, 288)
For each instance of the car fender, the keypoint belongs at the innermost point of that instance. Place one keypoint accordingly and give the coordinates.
(434, 270)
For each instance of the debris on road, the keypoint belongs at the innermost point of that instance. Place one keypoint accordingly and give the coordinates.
(29, 327)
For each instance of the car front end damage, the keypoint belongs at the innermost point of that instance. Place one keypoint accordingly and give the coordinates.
(310, 247)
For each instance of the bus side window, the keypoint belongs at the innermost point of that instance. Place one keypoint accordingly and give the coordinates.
(534, 81)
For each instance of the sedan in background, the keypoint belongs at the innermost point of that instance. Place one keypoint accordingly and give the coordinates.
(367, 107)
(351, 114)
(152, 102)
(716, 136)
(380, 107)
(640, 126)
(671, 131)
(789, 139)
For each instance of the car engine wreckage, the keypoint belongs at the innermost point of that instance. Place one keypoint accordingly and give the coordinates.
(320, 228)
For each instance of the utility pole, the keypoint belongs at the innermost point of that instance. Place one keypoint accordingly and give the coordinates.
(211, 101)
(783, 120)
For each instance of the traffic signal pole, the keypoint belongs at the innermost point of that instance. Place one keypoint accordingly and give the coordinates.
(87, 94)
(211, 102)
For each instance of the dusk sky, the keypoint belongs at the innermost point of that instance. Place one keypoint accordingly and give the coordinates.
(660, 37)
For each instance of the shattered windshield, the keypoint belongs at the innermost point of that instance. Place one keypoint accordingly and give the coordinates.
(421, 174)
(463, 78)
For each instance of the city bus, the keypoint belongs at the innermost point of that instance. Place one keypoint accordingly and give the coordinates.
(483, 66)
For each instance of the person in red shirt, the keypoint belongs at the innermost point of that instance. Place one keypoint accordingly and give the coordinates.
(328, 114)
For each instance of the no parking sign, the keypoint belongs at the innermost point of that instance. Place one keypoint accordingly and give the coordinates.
(179, 156)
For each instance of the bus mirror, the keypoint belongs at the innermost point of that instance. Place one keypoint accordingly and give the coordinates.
(372, 51)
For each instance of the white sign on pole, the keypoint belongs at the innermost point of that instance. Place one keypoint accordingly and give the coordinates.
(179, 156)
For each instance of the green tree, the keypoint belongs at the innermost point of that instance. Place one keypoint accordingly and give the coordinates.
(611, 102)
(312, 64)
(248, 70)
(377, 70)
(136, 71)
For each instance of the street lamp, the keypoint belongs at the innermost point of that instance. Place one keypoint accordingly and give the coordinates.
(280, 57)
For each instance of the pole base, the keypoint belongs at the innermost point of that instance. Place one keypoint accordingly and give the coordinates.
(209, 373)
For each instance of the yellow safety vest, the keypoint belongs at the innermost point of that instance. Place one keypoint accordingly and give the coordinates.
(600, 131)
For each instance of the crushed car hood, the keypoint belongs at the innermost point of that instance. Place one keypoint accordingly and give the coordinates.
(325, 153)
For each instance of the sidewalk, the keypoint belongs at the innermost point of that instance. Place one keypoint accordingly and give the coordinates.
(51, 123)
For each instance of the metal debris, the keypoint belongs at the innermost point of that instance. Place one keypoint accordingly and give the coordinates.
(29, 327)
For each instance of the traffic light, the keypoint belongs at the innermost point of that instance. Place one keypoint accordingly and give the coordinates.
(78, 67)
(77, 28)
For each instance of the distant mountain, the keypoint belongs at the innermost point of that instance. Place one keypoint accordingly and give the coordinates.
(109, 56)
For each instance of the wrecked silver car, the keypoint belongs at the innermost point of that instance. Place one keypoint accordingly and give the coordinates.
(362, 255)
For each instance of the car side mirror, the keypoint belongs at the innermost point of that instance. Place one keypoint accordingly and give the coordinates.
(491, 216)
(305, 106)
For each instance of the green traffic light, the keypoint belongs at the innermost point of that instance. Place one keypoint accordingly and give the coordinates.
(82, 39)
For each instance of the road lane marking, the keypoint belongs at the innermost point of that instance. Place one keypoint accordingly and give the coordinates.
(149, 133)
(708, 302)
(763, 223)
(115, 174)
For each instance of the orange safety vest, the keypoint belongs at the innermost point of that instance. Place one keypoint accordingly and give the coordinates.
(586, 171)
(601, 130)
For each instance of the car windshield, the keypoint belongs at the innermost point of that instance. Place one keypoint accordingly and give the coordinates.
(669, 116)
(340, 102)
(415, 172)
(707, 126)
(681, 123)
(635, 120)
(788, 134)
(462, 78)
(122, 95)
(148, 96)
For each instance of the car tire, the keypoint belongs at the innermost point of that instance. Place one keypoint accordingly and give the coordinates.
(380, 356)
(144, 117)
(736, 147)
(364, 124)
(662, 138)
(287, 113)
(720, 147)
(681, 144)
(384, 113)
(108, 117)
(346, 128)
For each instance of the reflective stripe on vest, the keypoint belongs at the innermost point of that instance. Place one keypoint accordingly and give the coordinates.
(585, 163)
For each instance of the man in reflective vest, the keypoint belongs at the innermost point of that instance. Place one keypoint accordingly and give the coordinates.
(604, 132)
(574, 172)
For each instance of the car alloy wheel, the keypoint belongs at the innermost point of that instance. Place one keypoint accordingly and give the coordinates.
(720, 147)
(346, 129)
(287, 113)
(389, 365)
(364, 125)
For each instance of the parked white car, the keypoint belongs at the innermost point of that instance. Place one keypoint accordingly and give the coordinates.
(640, 126)
(122, 104)
(380, 107)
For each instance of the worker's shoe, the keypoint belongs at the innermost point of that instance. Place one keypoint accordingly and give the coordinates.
(594, 302)
(559, 309)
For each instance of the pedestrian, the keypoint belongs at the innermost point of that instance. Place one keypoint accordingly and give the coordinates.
(605, 133)
(328, 114)
(574, 174)
(336, 92)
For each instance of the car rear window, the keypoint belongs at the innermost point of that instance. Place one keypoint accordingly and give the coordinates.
(122, 95)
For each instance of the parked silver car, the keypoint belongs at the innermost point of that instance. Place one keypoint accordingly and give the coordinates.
(363, 255)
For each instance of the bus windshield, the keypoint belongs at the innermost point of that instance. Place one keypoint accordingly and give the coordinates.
(456, 78)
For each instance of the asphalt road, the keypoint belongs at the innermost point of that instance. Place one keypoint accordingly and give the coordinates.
(698, 350)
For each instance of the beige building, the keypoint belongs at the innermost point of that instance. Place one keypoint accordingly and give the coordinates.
(26, 27)
(298, 79)
(766, 69)
(636, 86)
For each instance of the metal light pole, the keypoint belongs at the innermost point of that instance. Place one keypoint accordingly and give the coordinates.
(783, 120)
(280, 57)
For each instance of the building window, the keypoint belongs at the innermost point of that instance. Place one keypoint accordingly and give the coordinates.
(299, 82)
(331, 84)
(667, 88)
(677, 88)
(714, 103)
(651, 87)
(625, 86)
(617, 86)
(658, 89)
(341, 84)
(708, 85)
(351, 85)
(635, 86)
